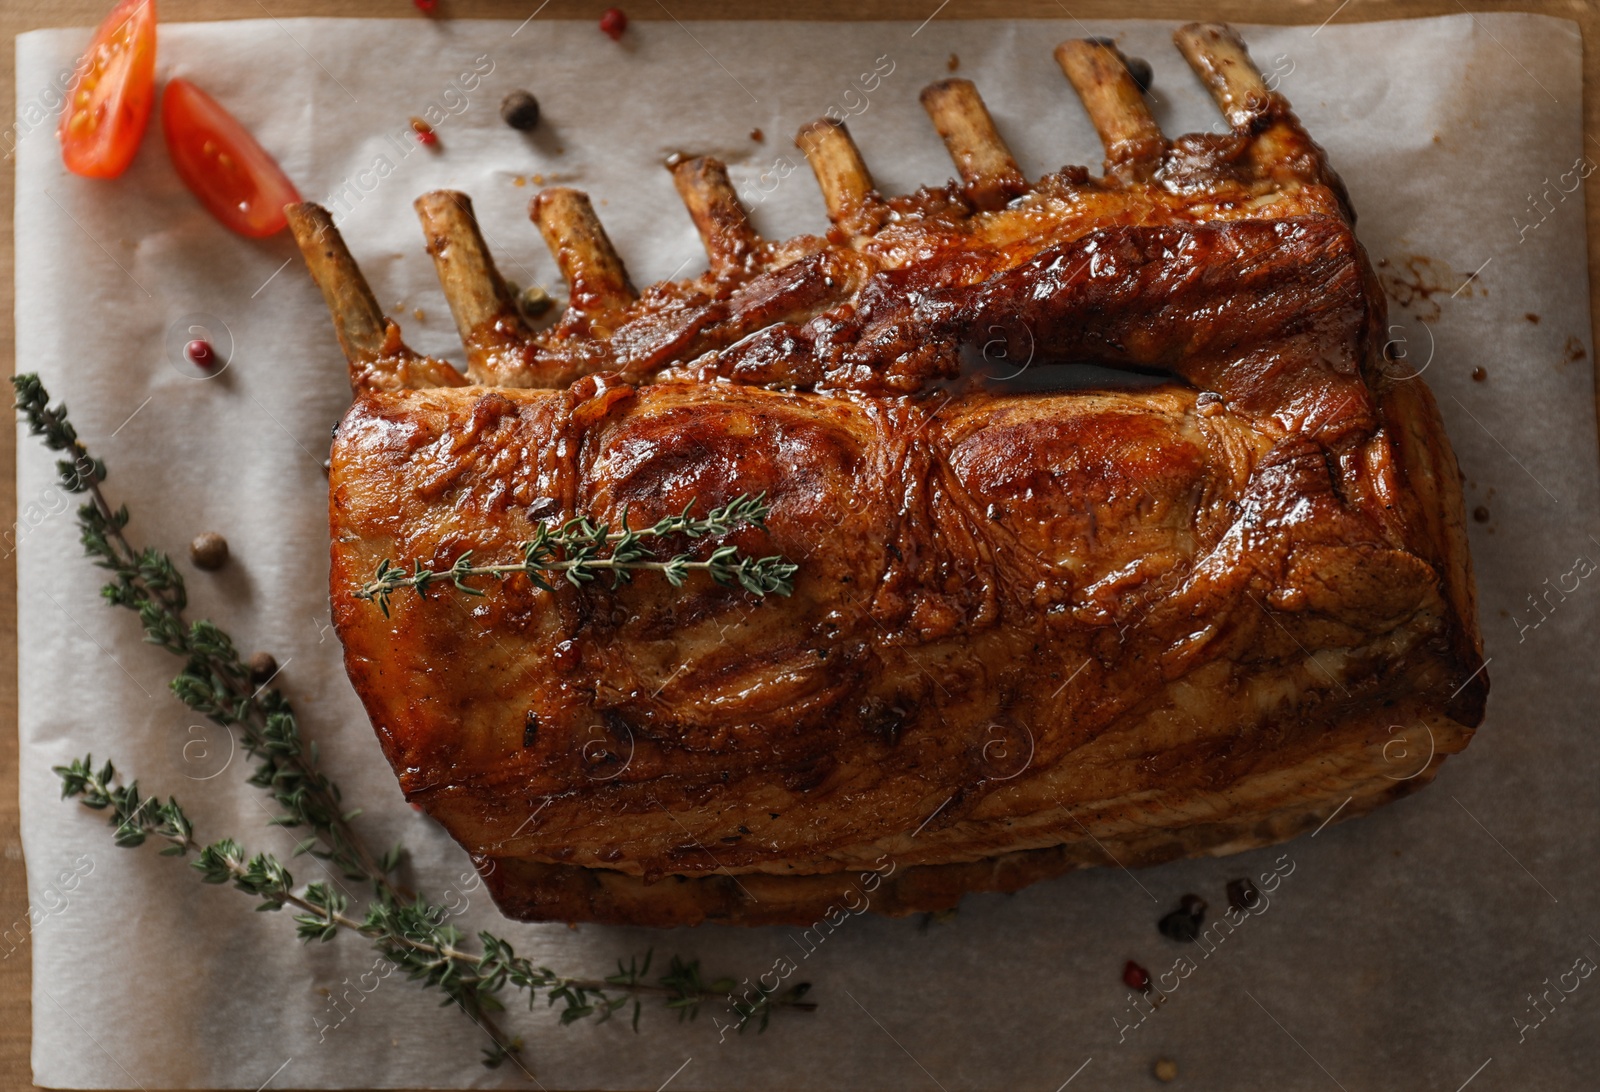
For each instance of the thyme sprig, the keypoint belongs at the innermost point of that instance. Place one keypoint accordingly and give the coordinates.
(405, 927)
(215, 681)
(582, 551)
(415, 936)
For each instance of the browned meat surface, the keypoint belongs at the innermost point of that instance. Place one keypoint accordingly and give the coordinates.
(1029, 631)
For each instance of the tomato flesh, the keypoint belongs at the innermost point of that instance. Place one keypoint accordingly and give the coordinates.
(233, 176)
(115, 87)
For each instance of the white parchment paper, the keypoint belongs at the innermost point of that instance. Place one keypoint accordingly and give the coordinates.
(1399, 952)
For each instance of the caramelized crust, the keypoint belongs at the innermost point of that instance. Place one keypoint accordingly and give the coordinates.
(1030, 631)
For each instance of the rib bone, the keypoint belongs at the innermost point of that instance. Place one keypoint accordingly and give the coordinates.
(842, 175)
(378, 359)
(991, 174)
(1132, 140)
(1219, 57)
(1280, 146)
(596, 278)
(723, 224)
(491, 327)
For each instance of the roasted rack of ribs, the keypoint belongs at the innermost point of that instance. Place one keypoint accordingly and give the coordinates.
(1030, 631)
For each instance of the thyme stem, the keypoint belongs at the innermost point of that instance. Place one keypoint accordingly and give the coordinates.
(576, 550)
(215, 681)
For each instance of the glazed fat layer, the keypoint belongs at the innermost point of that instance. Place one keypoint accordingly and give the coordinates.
(1018, 622)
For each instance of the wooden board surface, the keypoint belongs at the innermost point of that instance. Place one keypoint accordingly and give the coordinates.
(17, 16)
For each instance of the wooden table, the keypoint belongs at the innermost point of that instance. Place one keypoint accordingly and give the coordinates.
(17, 16)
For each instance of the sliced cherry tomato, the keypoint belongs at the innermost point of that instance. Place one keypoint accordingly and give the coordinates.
(222, 164)
(108, 109)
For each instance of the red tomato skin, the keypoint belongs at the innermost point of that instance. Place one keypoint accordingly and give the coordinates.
(235, 178)
(91, 145)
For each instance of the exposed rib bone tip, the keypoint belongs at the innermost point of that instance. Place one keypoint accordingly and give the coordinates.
(836, 161)
(357, 318)
(1220, 58)
(486, 315)
(718, 214)
(1115, 104)
(988, 170)
(595, 275)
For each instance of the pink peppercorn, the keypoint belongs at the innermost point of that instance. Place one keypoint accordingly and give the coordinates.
(1135, 976)
(200, 353)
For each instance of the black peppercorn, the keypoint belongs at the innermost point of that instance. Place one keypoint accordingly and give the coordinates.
(1184, 922)
(209, 551)
(1179, 926)
(1140, 70)
(1242, 895)
(520, 110)
(262, 667)
(1137, 67)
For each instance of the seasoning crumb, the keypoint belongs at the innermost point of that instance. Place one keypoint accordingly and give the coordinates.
(262, 667)
(417, 313)
(209, 551)
(953, 63)
(1481, 514)
(1531, 317)
(519, 181)
(520, 110)
(537, 180)
(1165, 1070)
(757, 135)
(424, 132)
(1479, 374)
